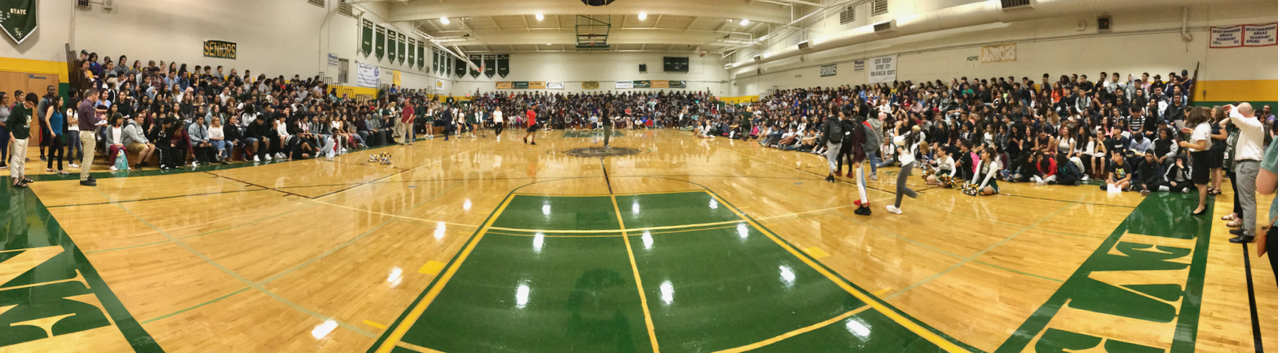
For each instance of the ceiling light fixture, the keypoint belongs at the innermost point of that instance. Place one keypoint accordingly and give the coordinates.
(744, 22)
(444, 20)
(538, 16)
(643, 16)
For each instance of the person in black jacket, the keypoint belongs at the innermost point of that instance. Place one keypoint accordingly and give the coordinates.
(1149, 175)
(233, 134)
(1178, 176)
(258, 138)
(846, 145)
(858, 151)
(833, 134)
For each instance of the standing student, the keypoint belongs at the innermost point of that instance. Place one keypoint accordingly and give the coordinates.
(906, 149)
(497, 121)
(833, 133)
(406, 121)
(1200, 155)
(88, 123)
(531, 133)
(1267, 186)
(19, 125)
(1247, 159)
(860, 136)
(55, 124)
(4, 132)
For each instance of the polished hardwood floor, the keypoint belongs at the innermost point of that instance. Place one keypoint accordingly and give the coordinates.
(485, 245)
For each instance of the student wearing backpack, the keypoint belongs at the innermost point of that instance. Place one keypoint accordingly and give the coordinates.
(833, 133)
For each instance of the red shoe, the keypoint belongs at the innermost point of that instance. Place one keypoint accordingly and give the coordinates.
(858, 203)
(850, 175)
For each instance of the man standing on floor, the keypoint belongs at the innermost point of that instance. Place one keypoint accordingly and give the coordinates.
(1248, 157)
(89, 123)
(19, 125)
(833, 133)
(406, 124)
(531, 134)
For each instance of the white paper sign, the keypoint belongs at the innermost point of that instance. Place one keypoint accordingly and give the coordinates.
(555, 85)
(333, 59)
(367, 75)
(1226, 37)
(859, 65)
(883, 69)
(621, 84)
(1260, 35)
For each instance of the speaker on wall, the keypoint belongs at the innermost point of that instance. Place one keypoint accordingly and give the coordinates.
(644, 68)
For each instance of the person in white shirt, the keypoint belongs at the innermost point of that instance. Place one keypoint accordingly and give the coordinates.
(1247, 163)
(906, 148)
(1199, 147)
(497, 121)
(944, 163)
(219, 141)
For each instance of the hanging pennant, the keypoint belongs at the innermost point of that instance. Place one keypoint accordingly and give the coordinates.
(366, 38)
(475, 60)
(391, 45)
(413, 49)
(420, 56)
(504, 64)
(400, 54)
(380, 42)
(459, 67)
(490, 61)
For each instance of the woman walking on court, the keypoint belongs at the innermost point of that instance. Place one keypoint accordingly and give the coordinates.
(1199, 146)
(55, 125)
(906, 148)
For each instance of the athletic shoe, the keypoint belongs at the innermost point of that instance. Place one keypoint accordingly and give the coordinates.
(265, 156)
(873, 177)
(88, 183)
(858, 203)
(114, 169)
(255, 159)
(863, 211)
(893, 210)
(1145, 192)
(1186, 190)
(535, 143)
(850, 175)
(526, 140)
(831, 178)
(43, 159)
(72, 165)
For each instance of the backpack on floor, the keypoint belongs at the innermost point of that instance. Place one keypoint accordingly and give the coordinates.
(122, 163)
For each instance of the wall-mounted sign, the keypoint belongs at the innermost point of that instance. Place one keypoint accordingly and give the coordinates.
(1243, 36)
(590, 84)
(504, 85)
(19, 19)
(859, 65)
(537, 85)
(971, 58)
(621, 84)
(555, 85)
(520, 85)
(827, 70)
(333, 59)
(677, 84)
(884, 69)
(640, 84)
(999, 53)
(659, 84)
(219, 49)
(367, 75)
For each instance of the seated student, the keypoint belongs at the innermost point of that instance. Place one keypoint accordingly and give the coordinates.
(1150, 175)
(1139, 144)
(945, 165)
(1178, 176)
(990, 167)
(1024, 167)
(1046, 169)
(1119, 172)
(136, 141)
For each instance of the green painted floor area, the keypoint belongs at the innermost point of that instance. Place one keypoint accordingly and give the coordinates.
(52, 277)
(707, 288)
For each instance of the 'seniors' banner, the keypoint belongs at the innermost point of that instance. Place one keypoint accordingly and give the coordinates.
(367, 75)
(884, 69)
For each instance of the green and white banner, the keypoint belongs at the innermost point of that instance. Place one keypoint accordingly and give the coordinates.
(380, 42)
(400, 54)
(391, 45)
(366, 38)
(413, 50)
(421, 54)
(18, 18)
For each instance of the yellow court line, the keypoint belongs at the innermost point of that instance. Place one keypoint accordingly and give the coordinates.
(796, 332)
(417, 348)
(883, 291)
(375, 325)
(673, 231)
(417, 310)
(644, 303)
(623, 230)
(901, 320)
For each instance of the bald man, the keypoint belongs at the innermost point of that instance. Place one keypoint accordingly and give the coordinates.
(1248, 156)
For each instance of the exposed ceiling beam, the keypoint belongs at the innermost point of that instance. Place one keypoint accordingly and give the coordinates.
(756, 11)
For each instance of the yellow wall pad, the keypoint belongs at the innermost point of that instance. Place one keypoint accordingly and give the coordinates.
(394, 339)
(36, 67)
(901, 320)
(1236, 91)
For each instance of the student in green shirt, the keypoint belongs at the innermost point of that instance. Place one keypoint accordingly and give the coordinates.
(19, 126)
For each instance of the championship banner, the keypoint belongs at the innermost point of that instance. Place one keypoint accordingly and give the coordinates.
(421, 54)
(459, 67)
(380, 42)
(621, 84)
(504, 65)
(413, 49)
(504, 85)
(677, 84)
(590, 84)
(520, 85)
(537, 84)
(219, 49)
(475, 59)
(391, 45)
(1226, 37)
(367, 75)
(19, 19)
(1256, 35)
(640, 84)
(400, 54)
(660, 84)
(490, 65)
(999, 53)
(555, 85)
(366, 38)
(884, 69)
(435, 60)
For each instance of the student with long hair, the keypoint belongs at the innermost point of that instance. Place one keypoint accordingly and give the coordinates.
(55, 125)
(1200, 155)
(905, 146)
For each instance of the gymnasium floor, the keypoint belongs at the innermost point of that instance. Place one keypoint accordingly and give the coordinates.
(477, 245)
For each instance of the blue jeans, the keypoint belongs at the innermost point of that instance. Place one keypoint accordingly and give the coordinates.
(875, 161)
(224, 148)
(75, 151)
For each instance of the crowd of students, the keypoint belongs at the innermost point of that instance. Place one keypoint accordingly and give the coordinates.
(1132, 135)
